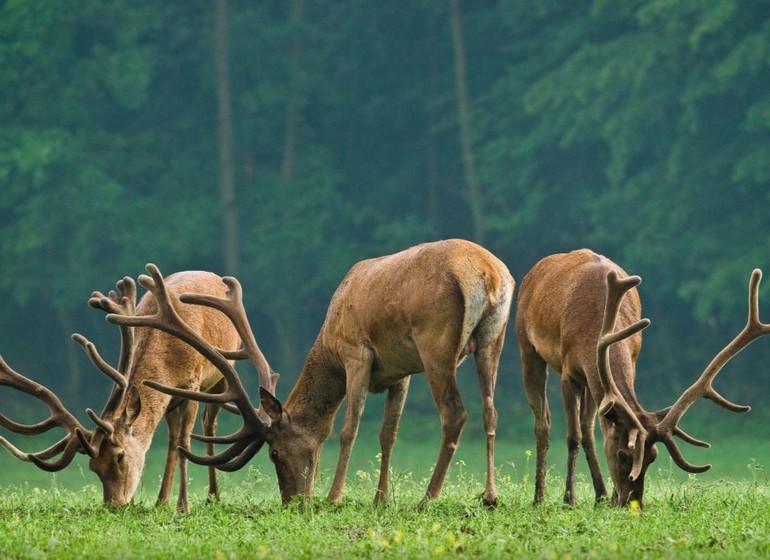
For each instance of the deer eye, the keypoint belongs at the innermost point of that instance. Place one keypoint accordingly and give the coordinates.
(273, 455)
(624, 456)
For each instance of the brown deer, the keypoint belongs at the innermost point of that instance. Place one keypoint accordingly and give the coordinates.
(423, 309)
(125, 428)
(569, 307)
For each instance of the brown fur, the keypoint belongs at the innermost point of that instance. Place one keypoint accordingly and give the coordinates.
(559, 322)
(418, 310)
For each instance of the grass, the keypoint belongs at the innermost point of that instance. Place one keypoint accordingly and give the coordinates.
(685, 516)
(683, 519)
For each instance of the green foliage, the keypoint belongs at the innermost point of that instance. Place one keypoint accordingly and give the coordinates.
(638, 128)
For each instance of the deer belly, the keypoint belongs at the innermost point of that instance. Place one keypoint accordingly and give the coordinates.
(392, 363)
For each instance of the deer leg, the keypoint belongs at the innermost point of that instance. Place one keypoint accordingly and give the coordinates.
(394, 406)
(587, 425)
(187, 412)
(571, 392)
(443, 387)
(487, 360)
(210, 428)
(357, 388)
(172, 419)
(535, 374)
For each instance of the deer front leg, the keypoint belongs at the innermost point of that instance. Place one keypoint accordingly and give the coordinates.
(394, 406)
(172, 419)
(535, 376)
(187, 412)
(587, 428)
(487, 360)
(357, 388)
(452, 413)
(571, 391)
(210, 428)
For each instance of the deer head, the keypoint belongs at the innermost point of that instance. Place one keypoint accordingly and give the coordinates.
(631, 434)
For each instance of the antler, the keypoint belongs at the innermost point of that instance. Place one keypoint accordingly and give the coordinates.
(613, 400)
(77, 437)
(122, 302)
(667, 427)
(248, 440)
(232, 307)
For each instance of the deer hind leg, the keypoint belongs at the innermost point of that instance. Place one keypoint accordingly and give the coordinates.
(357, 388)
(535, 375)
(394, 406)
(572, 392)
(487, 361)
(440, 371)
(172, 419)
(587, 425)
(187, 411)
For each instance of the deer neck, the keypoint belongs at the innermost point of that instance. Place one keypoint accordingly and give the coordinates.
(318, 393)
(154, 408)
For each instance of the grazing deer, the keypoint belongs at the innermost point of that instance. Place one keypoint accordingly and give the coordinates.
(423, 309)
(125, 428)
(569, 307)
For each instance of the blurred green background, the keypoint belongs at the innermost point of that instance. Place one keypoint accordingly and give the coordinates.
(284, 140)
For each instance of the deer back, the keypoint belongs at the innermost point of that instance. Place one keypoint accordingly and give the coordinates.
(165, 359)
(425, 291)
(560, 311)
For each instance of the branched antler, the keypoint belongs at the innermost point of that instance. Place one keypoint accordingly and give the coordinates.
(245, 442)
(667, 427)
(77, 436)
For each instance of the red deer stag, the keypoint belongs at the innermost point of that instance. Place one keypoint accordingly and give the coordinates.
(125, 428)
(568, 309)
(423, 309)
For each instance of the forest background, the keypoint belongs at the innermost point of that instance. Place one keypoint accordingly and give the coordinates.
(281, 141)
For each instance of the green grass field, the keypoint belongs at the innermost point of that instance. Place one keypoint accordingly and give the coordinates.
(722, 514)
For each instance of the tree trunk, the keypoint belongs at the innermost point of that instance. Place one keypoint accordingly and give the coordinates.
(291, 139)
(463, 117)
(287, 339)
(225, 139)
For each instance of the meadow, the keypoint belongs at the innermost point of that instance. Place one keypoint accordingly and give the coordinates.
(724, 513)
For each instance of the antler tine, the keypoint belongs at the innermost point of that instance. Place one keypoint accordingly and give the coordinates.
(73, 442)
(71, 447)
(169, 321)
(123, 303)
(703, 385)
(27, 429)
(616, 289)
(90, 349)
(232, 306)
(229, 460)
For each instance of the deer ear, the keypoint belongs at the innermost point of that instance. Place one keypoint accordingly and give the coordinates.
(133, 405)
(270, 404)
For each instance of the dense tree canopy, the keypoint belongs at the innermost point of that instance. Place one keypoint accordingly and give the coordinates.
(638, 128)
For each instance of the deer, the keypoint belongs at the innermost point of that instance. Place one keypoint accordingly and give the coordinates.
(580, 314)
(124, 430)
(423, 309)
